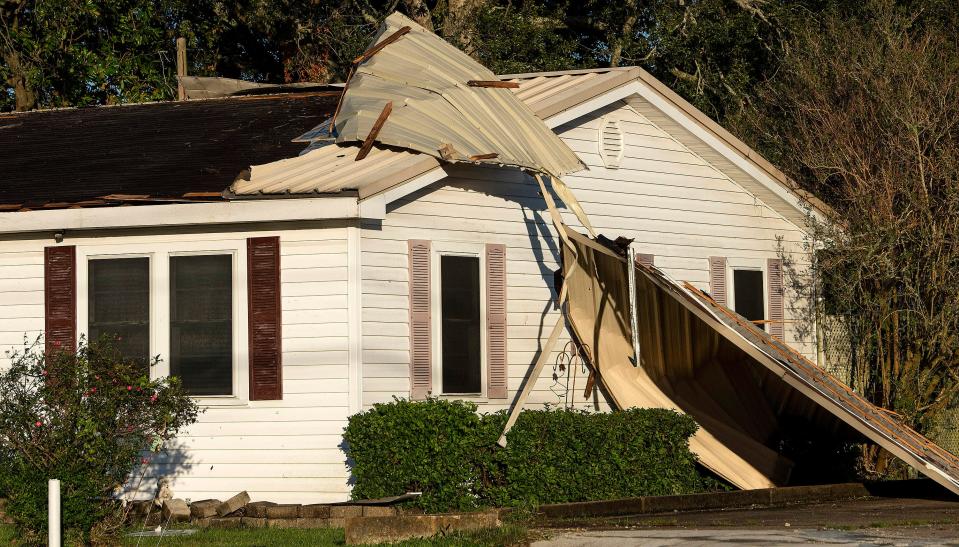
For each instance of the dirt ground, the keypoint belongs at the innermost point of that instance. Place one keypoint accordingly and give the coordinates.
(909, 520)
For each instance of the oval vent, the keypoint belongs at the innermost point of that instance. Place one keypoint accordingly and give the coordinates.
(611, 142)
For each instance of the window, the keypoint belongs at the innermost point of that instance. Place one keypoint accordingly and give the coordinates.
(201, 323)
(119, 304)
(749, 295)
(460, 324)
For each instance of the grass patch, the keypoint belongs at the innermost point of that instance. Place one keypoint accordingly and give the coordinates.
(509, 535)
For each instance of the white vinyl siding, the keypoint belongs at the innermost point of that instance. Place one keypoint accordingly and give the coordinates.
(678, 207)
(283, 451)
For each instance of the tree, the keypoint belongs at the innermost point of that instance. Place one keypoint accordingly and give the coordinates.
(78, 52)
(865, 112)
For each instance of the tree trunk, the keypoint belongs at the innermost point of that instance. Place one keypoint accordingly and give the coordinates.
(459, 23)
(24, 94)
(629, 23)
(419, 12)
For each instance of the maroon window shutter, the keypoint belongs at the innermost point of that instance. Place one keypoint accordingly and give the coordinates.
(421, 350)
(496, 365)
(717, 279)
(774, 282)
(60, 298)
(263, 287)
(645, 259)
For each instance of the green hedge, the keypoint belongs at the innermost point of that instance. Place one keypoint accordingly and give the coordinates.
(447, 451)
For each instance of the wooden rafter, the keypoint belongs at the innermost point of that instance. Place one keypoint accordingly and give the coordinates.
(493, 83)
(374, 131)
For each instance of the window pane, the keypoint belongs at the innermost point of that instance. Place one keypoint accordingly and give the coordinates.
(748, 288)
(461, 324)
(201, 323)
(119, 300)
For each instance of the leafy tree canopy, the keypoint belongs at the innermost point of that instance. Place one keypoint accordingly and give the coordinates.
(80, 52)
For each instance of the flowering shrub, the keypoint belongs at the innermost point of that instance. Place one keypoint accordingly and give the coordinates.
(88, 418)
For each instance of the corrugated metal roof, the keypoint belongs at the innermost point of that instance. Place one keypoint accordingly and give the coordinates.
(335, 169)
(332, 168)
(434, 108)
(550, 93)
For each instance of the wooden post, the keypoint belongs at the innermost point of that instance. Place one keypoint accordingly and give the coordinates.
(180, 68)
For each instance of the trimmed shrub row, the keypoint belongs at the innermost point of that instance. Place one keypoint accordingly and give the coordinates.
(447, 451)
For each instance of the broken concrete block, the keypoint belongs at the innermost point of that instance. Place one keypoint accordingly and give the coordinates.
(204, 508)
(236, 502)
(226, 522)
(345, 511)
(257, 509)
(378, 511)
(139, 508)
(315, 510)
(253, 522)
(312, 523)
(176, 510)
(363, 530)
(285, 511)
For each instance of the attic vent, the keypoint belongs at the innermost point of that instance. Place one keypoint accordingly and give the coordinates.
(610, 142)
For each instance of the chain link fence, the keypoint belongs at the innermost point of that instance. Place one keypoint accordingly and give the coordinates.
(838, 356)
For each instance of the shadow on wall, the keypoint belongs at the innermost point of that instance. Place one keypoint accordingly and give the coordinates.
(514, 186)
(173, 461)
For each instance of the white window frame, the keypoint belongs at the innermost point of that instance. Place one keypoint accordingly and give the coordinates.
(438, 250)
(756, 264)
(159, 255)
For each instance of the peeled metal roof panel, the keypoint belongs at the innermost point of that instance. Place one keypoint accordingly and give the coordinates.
(433, 107)
(702, 358)
(332, 169)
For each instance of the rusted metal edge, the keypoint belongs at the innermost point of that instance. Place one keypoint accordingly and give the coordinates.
(382, 44)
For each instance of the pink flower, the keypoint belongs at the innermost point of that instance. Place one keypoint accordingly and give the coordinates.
(38, 424)
(129, 388)
(93, 390)
(153, 398)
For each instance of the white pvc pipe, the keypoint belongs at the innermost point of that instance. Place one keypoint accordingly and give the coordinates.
(53, 512)
(633, 312)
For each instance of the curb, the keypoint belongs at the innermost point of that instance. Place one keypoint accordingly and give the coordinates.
(699, 502)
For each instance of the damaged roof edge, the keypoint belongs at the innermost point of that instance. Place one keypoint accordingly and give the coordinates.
(180, 214)
(816, 385)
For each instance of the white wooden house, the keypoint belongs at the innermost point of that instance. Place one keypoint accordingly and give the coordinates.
(327, 272)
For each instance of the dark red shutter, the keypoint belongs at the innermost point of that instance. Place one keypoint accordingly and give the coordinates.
(774, 281)
(263, 285)
(496, 366)
(60, 298)
(421, 349)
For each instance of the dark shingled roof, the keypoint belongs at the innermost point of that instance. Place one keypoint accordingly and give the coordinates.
(185, 150)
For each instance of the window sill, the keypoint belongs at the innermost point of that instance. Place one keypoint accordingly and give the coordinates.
(472, 397)
(222, 401)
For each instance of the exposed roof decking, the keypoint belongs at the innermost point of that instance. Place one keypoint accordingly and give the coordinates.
(147, 153)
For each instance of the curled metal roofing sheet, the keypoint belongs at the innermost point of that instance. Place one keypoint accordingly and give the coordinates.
(332, 168)
(743, 386)
(434, 108)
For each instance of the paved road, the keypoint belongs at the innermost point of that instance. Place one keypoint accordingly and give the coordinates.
(705, 537)
(868, 521)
